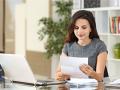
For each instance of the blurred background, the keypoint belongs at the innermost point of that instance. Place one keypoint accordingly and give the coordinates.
(25, 31)
(18, 32)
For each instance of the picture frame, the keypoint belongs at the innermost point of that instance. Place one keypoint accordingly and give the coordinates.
(91, 3)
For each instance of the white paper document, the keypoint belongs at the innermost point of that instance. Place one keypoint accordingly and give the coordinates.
(82, 81)
(70, 66)
(83, 84)
(115, 82)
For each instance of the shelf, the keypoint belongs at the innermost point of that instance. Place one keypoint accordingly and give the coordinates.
(98, 9)
(116, 34)
(103, 9)
(113, 59)
(108, 34)
(103, 34)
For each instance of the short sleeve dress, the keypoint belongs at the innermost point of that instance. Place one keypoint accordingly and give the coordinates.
(92, 50)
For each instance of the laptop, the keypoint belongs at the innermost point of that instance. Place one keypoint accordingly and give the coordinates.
(16, 68)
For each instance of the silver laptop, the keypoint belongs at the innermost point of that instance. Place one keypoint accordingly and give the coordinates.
(16, 68)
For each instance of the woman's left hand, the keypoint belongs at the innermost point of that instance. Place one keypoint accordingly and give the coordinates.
(85, 68)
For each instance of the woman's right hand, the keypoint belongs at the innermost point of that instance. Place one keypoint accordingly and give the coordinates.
(61, 76)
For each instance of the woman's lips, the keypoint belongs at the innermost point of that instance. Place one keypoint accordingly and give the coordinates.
(80, 35)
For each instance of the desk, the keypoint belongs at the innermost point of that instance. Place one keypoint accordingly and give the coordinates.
(18, 87)
(66, 86)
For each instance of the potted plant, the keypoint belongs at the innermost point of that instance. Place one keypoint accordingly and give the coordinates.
(116, 50)
(55, 30)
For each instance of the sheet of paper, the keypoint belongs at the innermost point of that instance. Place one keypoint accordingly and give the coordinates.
(82, 81)
(83, 84)
(115, 82)
(70, 66)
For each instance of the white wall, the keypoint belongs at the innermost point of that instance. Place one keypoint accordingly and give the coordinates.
(36, 9)
(20, 31)
(26, 25)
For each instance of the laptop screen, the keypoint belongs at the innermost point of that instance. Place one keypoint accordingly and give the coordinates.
(16, 68)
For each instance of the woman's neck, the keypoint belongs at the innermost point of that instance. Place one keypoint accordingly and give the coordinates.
(84, 42)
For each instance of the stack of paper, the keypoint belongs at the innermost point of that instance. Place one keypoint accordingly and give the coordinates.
(115, 82)
(83, 83)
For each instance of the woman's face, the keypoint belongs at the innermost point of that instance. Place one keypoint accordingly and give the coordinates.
(82, 29)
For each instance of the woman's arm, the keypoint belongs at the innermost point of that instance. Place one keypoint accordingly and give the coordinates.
(101, 63)
(99, 73)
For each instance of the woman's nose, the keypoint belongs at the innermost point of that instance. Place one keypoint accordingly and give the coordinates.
(79, 31)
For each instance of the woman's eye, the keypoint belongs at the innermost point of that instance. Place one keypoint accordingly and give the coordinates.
(84, 27)
(76, 27)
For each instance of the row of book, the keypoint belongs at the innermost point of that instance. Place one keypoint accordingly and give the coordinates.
(115, 24)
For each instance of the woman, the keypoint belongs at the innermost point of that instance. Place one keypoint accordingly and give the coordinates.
(83, 41)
